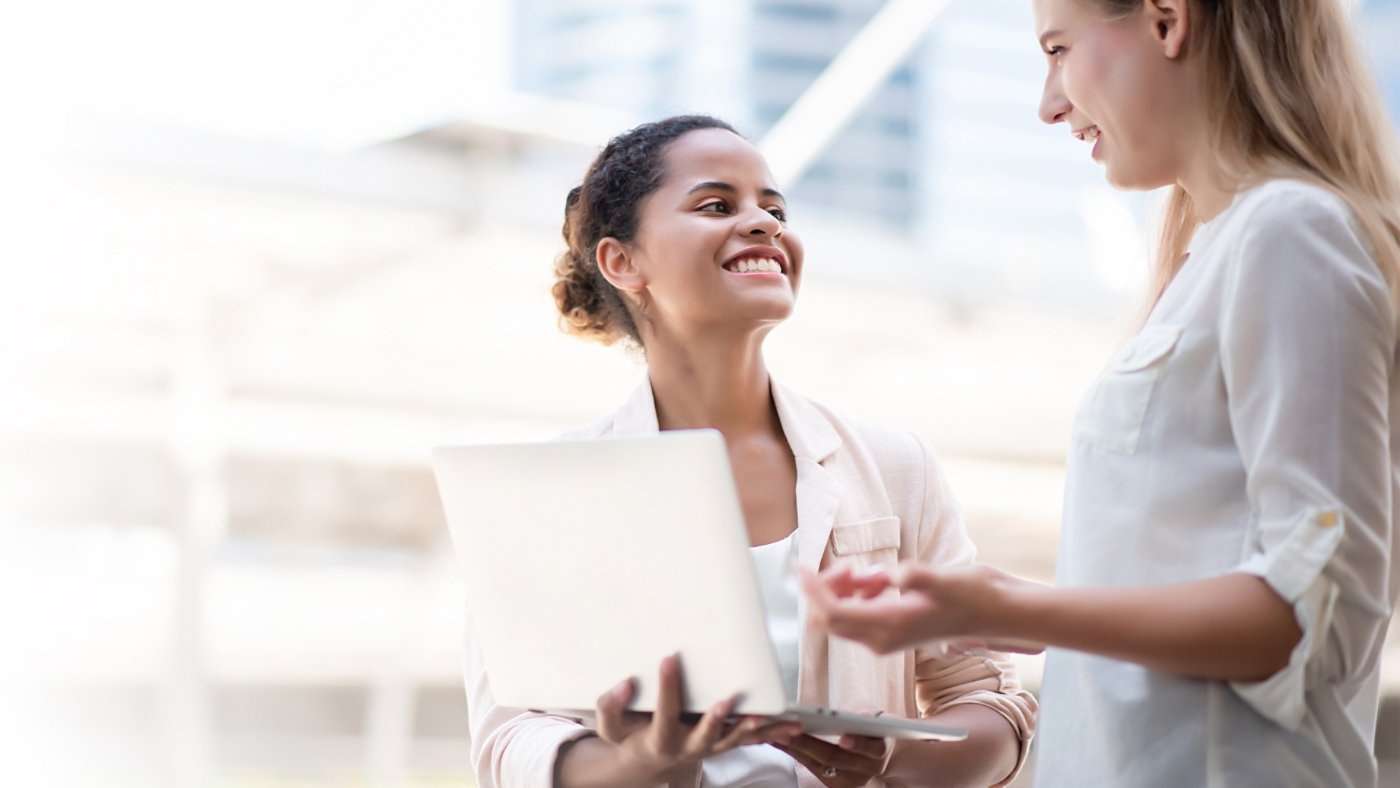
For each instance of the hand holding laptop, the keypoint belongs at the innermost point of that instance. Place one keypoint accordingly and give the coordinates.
(645, 746)
(851, 761)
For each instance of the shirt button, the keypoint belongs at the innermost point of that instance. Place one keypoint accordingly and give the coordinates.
(1327, 519)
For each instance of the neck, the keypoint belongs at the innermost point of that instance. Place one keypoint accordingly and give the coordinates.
(1210, 200)
(719, 383)
(1209, 183)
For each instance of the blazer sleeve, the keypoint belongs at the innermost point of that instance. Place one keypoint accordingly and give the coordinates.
(942, 679)
(510, 748)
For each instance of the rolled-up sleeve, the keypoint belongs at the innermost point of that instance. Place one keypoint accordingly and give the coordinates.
(510, 748)
(941, 679)
(1307, 348)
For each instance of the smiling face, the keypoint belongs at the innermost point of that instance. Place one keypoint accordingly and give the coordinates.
(1120, 83)
(713, 249)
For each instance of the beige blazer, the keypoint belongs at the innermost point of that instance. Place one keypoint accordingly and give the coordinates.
(864, 495)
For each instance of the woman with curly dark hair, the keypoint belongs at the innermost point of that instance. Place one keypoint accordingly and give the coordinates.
(679, 244)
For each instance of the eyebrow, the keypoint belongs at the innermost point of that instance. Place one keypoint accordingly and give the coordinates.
(1048, 34)
(721, 186)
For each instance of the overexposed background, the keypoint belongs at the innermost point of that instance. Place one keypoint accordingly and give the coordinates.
(260, 257)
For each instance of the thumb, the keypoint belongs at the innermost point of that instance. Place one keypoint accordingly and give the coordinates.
(916, 577)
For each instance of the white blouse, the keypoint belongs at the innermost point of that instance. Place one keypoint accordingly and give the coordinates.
(1250, 426)
(761, 766)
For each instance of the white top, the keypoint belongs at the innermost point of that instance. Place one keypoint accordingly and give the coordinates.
(761, 766)
(1249, 427)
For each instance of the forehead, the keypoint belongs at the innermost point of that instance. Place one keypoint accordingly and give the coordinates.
(1052, 14)
(714, 154)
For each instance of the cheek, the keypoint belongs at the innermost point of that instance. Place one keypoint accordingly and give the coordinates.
(797, 253)
(1087, 80)
(1124, 77)
(673, 240)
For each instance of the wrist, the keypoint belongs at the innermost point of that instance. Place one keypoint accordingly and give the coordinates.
(631, 769)
(1018, 604)
(592, 762)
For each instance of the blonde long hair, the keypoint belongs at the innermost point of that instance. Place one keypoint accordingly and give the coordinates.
(1290, 95)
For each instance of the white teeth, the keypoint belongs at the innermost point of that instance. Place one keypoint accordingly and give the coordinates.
(761, 265)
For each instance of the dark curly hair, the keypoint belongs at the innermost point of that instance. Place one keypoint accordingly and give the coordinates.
(605, 205)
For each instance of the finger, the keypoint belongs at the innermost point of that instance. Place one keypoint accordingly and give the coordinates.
(868, 582)
(818, 593)
(883, 625)
(611, 705)
(707, 732)
(814, 748)
(827, 605)
(778, 732)
(735, 735)
(867, 746)
(917, 577)
(846, 580)
(666, 722)
(747, 722)
(826, 753)
(870, 746)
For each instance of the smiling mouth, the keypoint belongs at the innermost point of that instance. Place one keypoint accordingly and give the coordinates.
(1090, 134)
(755, 265)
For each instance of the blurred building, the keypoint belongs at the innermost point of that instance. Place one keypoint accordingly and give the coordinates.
(1380, 28)
(745, 61)
(946, 151)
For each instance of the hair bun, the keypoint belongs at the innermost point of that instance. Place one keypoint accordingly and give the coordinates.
(582, 309)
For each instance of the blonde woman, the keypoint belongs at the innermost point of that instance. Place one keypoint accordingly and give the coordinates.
(1228, 564)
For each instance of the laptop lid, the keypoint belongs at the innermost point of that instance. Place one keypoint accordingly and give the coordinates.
(587, 562)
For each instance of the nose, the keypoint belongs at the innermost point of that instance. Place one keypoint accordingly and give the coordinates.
(758, 221)
(1054, 107)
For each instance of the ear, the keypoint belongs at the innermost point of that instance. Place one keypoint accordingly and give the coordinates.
(1171, 24)
(616, 265)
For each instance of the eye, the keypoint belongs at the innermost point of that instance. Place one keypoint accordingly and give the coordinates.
(779, 213)
(1055, 51)
(717, 206)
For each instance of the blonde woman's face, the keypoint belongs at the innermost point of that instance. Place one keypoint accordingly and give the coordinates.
(1113, 85)
(713, 242)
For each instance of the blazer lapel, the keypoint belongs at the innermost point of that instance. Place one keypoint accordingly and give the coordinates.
(813, 441)
(818, 497)
(638, 415)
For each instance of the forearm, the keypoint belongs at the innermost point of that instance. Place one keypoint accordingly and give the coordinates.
(1228, 628)
(594, 763)
(985, 757)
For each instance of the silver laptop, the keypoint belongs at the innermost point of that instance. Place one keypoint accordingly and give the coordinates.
(587, 562)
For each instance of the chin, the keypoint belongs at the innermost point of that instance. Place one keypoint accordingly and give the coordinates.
(769, 313)
(1119, 179)
(1127, 179)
